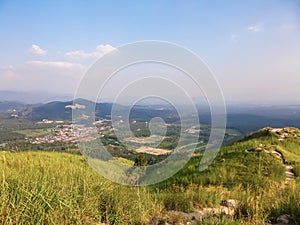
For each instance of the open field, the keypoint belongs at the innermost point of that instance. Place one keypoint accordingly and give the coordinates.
(152, 151)
(35, 132)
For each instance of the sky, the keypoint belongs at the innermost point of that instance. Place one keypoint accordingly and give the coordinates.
(252, 47)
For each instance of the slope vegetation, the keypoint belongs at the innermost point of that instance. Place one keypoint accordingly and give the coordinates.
(60, 188)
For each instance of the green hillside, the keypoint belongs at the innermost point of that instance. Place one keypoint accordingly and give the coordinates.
(250, 161)
(60, 188)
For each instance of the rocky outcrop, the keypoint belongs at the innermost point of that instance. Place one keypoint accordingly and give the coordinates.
(282, 220)
(227, 209)
(231, 203)
(289, 175)
(278, 155)
(289, 170)
(283, 133)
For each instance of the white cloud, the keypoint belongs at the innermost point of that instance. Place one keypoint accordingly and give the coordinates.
(256, 28)
(49, 76)
(55, 64)
(99, 52)
(37, 50)
(57, 76)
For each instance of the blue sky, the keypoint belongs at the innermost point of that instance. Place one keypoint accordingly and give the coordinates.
(253, 47)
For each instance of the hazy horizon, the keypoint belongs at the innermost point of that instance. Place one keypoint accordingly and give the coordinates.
(46, 97)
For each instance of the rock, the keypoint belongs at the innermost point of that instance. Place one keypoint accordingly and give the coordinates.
(285, 219)
(250, 150)
(276, 130)
(163, 223)
(230, 211)
(225, 211)
(159, 221)
(230, 203)
(289, 175)
(286, 130)
(278, 155)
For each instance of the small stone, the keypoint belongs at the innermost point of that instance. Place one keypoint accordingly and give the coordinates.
(285, 218)
(231, 203)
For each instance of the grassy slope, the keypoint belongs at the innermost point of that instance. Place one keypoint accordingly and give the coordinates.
(58, 188)
(256, 179)
(234, 165)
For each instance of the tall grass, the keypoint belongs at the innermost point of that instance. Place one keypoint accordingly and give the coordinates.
(59, 188)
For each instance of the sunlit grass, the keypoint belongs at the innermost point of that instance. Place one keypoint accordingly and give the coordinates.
(59, 188)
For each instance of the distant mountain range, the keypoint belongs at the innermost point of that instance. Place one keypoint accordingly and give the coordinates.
(58, 110)
(10, 105)
(244, 118)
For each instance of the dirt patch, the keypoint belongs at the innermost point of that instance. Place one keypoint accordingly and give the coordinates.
(153, 151)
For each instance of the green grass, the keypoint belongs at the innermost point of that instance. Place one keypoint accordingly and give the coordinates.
(35, 132)
(59, 188)
(6, 135)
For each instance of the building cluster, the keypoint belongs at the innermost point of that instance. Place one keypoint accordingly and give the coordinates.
(61, 133)
(71, 133)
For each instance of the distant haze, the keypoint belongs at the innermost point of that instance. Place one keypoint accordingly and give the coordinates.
(33, 97)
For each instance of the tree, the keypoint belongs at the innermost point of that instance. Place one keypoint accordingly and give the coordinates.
(140, 160)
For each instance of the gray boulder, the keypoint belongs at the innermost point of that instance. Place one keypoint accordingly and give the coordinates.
(285, 219)
(231, 203)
